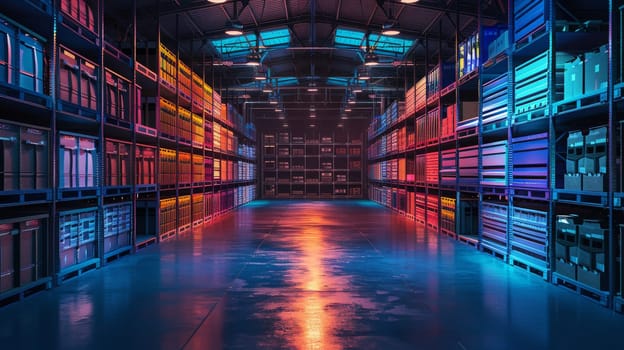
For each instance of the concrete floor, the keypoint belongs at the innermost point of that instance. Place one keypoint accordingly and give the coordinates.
(309, 275)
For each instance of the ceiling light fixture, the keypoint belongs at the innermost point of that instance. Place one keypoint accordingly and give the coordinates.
(371, 59)
(217, 1)
(253, 59)
(356, 89)
(312, 108)
(409, 1)
(390, 28)
(312, 87)
(347, 109)
(267, 88)
(233, 27)
(260, 75)
(364, 75)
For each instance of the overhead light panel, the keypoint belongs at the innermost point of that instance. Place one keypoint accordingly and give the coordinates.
(312, 87)
(312, 108)
(267, 88)
(347, 109)
(233, 27)
(217, 1)
(371, 59)
(364, 75)
(356, 89)
(409, 1)
(279, 108)
(260, 75)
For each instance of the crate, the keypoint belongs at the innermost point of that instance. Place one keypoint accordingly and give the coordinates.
(468, 165)
(117, 165)
(494, 219)
(23, 157)
(78, 81)
(494, 164)
(117, 100)
(529, 16)
(596, 68)
(145, 164)
(573, 79)
(495, 101)
(77, 236)
(80, 11)
(530, 236)
(77, 161)
(530, 159)
(566, 244)
(22, 58)
(117, 227)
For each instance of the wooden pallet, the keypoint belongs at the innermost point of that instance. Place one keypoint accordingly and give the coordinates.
(77, 270)
(540, 271)
(600, 297)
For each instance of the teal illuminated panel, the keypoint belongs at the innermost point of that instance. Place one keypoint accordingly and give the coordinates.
(384, 43)
(235, 46)
(347, 37)
(337, 81)
(273, 38)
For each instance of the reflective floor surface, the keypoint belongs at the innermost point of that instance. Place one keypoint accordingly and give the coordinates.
(309, 275)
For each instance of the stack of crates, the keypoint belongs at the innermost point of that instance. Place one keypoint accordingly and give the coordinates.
(494, 107)
(198, 131)
(198, 208)
(185, 169)
(447, 215)
(167, 167)
(24, 157)
(22, 254)
(566, 245)
(494, 164)
(198, 169)
(168, 112)
(168, 68)
(530, 161)
(184, 127)
(469, 165)
(595, 160)
(197, 90)
(145, 164)
(494, 218)
(78, 81)
(22, 58)
(216, 167)
(117, 166)
(208, 99)
(167, 222)
(77, 236)
(529, 236)
(208, 169)
(117, 98)
(184, 213)
(432, 168)
(448, 167)
(448, 122)
(184, 81)
(432, 126)
(529, 16)
(77, 161)
(410, 102)
(420, 94)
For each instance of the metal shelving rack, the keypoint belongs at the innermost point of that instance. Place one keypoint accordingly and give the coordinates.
(303, 175)
(118, 185)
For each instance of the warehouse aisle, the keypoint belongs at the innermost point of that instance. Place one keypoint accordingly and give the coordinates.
(309, 275)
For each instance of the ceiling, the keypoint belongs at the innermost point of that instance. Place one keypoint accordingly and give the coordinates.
(318, 41)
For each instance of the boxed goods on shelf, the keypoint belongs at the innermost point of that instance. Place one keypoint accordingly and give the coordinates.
(498, 45)
(22, 58)
(77, 236)
(420, 94)
(208, 169)
(447, 214)
(184, 126)
(208, 99)
(168, 116)
(167, 217)
(595, 174)
(432, 170)
(80, 11)
(184, 80)
(566, 245)
(530, 236)
(433, 202)
(529, 16)
(198, 130)
(117, 98)
(117, 226)
(596, 69)
(78, 80)
(77, 161)
(22, 256)
(198, 169)
(468, 165)
(448, 121)
(494, 107)
(468, 114)
(573, 79)
(530, 161)
(494, 164)
(494, 219)
(184, 213)
(197, 91)
(167, 167)
(117, 167)
(145, 164)
(197, 208)
(168, 68)
(24, 164)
